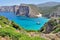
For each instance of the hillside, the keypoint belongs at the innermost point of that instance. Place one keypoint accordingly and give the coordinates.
(11, 31)
(49, 8)
(48, 4)
(50, 11)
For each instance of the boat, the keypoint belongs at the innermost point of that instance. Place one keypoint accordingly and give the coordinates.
(38, 23)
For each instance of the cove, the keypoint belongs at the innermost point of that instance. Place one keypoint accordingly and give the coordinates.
(26, 22)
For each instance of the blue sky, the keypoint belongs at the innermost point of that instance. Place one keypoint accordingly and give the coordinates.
(17, 2)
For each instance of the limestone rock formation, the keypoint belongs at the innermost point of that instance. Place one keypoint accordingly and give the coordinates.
(28, 10)
(23, 9)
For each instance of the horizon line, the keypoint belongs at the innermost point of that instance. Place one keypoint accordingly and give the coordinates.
(31, 3)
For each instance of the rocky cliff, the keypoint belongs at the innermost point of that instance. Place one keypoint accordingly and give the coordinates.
(23, 9)
(6, 8)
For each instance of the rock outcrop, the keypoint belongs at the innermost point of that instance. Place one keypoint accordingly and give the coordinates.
(28, 10)
(53, 26)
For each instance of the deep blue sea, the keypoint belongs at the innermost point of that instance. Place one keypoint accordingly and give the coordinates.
(26, 22)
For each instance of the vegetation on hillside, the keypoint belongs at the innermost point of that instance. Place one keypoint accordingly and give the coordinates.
(49, 10)
(11, 31)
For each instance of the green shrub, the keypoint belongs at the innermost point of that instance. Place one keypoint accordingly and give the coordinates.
(57, 29)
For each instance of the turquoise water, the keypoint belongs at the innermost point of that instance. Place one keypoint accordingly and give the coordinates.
(26, 22)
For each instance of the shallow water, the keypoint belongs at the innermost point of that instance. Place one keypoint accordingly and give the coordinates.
(26, 22)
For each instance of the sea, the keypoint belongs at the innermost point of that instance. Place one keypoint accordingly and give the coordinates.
(26, 23)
